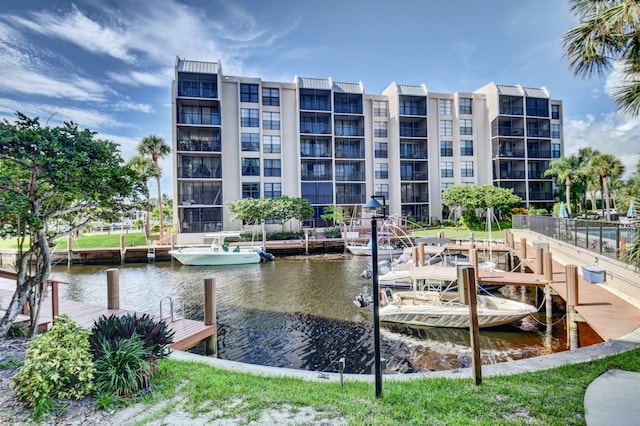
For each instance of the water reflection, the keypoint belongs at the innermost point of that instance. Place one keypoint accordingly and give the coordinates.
(297, 313)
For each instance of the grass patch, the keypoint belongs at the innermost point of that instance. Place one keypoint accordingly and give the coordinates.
(88, 241)
(550, 397)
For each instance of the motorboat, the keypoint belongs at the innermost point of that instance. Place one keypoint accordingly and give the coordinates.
(220, 253)
(444, 309)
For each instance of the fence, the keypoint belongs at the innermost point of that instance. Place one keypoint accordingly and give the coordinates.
(607, 238)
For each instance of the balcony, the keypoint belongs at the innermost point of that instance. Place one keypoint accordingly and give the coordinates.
(350, 177)
(410, 132)
(200, 172)
(540, 195)
(505, 174)
(349, 153)
(414, 199)
(416, 154)
(412, 110)
(316, 128)
(200, 145)
(350, 199)
(414, 176)
(511, 111)
(212, 119)
(511, 131)
(349, 131)
(315, 176)
(537, 153)
(511, 153)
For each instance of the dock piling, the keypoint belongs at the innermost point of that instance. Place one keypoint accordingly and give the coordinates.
(572, 301)
(113, 289)
(466, 277)
(210, 314)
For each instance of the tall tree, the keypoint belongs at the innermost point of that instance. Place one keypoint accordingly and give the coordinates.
(145, 168)
(607, 167)
(588, 181)
(566, 169)
(155, 147)
(608, 32)
(48, 173)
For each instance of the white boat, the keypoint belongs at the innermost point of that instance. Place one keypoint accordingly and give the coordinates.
(443, 309)
(385, 248)
(219, 253)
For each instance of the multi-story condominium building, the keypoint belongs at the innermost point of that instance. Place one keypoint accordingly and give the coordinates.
(334, 144)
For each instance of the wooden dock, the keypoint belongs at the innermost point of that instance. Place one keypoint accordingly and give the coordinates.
(187, 333)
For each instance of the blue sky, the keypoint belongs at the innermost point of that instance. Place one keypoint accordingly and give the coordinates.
(108, 64)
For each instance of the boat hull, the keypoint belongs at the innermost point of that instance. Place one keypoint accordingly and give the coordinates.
(423, 311)
(208, 258)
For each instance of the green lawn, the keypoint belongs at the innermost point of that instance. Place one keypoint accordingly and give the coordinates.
(550, 397)
(133, 238)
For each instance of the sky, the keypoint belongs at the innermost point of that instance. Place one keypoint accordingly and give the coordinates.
(107, 65)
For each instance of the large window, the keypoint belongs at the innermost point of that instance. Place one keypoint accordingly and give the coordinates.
(249, 117)
(445, 106)
(446, 169)
(446, 148)
(446, 128)
(538, 107)
(381, 150)
(250, 167)
(272, 167)
(250, 190)
(466, 169)
(466, 148)
(381, 190)
(250, 142)
(555, 150)
(271, 120)
(380, 108)
(555, 131)
(270, 96)
(271, 144)
(555, 112)
(465, 106)
(382, 171)
(466, 126)
(380, 129)
(272, 190)
(248, 92)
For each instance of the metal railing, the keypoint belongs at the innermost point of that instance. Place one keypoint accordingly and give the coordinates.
(606, 238)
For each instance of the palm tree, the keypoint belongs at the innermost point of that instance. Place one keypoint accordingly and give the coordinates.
(155, 147)
(584, 156)
(146, 169)
(608, 32)
(607, 167)
(566, 169)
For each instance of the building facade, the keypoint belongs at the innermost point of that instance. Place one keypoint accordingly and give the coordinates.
(334, 144)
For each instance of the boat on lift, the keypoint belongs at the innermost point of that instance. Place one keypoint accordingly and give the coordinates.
(220, 253)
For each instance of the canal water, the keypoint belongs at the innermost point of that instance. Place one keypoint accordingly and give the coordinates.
(298, 312)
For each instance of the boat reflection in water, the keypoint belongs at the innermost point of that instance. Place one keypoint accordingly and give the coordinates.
(297, 313)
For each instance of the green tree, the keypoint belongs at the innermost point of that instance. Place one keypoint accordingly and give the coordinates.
(48, 173)
(156, 148)
(471, 197)
(608, 32)
(607, 167)
(333, 213)
(566, 169)
(145, 168)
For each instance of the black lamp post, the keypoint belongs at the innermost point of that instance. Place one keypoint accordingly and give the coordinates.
(374, 206)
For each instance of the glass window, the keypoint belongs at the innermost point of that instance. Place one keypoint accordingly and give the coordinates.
(445, 185)
(446, 169)
(466, 148)
(271, 167)
(380, 129)
(555, 150)
(555, 112)
(272, 190)
(445, 106)
(380, 108)
(538, 107)
(249, 117)
(382, 171)
(271, 144)
(555, 131)
(271, 120)
(446, 148)
(250, 167)
(466, 169)
(250, 190)
(446, 128)
(465, 106)
(270, 96)
(248, 92)
(466, 126)
(381, 190)
(250, 142)
(381, 150)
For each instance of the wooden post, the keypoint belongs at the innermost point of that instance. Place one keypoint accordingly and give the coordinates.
(123, 249)
(414, 256)
(466, 275)
(55, 301)
(572, 302)
(113, 289)
(173, 242)
(539, 260)
(473, 258)
(69, 250)
(420, 254)
(306, 242)
(210, 314)
(523, 248)
(548, 277)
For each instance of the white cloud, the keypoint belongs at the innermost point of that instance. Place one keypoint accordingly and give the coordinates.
(132, 106)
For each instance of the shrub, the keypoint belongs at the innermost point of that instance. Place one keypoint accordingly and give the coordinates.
(17, 330)
(57, 366)
(155, 335)
(121, 368)
(332, 232)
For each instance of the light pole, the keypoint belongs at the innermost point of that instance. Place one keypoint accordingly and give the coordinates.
(373, 206)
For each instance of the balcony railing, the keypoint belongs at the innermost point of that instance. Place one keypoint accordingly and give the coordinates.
(536, 153)
(511, 111)
(407, 132)
(316, 128)
(316, 176)
(349, 153)
(199, 145)
(347, 109)
(200, 172)
(197, 92)
(349, 131)
(206, 199)
(540, 195)
(414, 199)
(414, 154)
(414, 176)
(511, 131)
(315, 105)
(413, 110)
(511, 153)
(212, 119)
(510, 175)
(536, 174)
(318, 153)
(350, 199)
